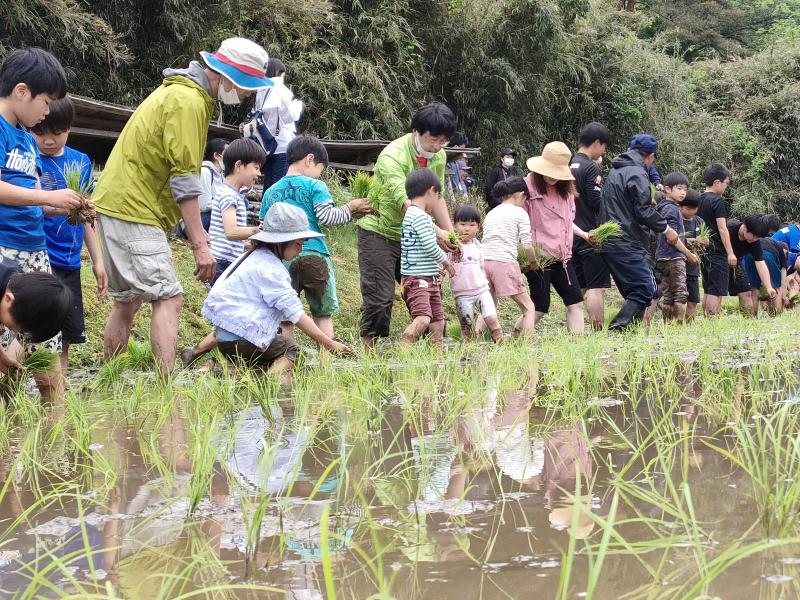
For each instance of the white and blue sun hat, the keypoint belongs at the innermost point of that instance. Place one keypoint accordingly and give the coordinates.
(242, 61)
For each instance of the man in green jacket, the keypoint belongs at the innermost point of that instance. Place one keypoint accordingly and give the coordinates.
(152, 180)
(379, 235)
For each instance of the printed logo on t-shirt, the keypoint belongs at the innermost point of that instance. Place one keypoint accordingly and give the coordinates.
(25, 162)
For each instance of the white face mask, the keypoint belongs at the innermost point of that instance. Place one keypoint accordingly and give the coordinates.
(228, 97)
(420, 151)
(508, 162)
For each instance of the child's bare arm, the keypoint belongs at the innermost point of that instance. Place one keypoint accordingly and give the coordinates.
(98, 267)
(306, 325)
(232, 230)
(14, 195)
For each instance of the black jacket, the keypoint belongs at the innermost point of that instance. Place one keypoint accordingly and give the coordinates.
(499, 173)
(626, 200)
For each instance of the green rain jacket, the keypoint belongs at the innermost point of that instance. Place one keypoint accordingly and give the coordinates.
(394, 164)
(156, 161)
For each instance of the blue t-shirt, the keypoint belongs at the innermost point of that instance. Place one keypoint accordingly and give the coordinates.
(20, 226)
(303, 192)
(64, 241)
(791, 237)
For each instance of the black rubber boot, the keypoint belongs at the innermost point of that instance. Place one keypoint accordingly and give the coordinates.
(629, 315)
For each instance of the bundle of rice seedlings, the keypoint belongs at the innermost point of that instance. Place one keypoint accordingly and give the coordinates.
(606, 231)
(375, 193)
(540, 258)
(40, 361)
(454, 238)
(359, 184)
(74, 181)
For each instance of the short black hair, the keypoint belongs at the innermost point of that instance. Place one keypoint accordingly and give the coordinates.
(594, 132)
(59, 119)
(420, 181)
(773, 223)
(41, 304)
(675, 178)
(466, 213)
(508, 186)
(36, 68)
(243, 150)
(459, 138)
(692, 199)
(215, 146)
(714, 172)
(275, 67)
(757, 225)
(434, 118)
(302, 146)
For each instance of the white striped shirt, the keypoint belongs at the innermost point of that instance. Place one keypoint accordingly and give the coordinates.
(224, 197)
(419, 253)
(505, 228)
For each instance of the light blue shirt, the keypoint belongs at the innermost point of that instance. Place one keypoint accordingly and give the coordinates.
(252, 299)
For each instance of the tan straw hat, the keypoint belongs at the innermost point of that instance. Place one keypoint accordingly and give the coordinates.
(554, 162)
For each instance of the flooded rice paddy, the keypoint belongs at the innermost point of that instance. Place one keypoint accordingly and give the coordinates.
(659, 465)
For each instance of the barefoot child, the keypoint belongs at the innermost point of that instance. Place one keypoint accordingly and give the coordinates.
(672, 259)
(421, 259)
(506, 228)
(301, 187)
(469, 284)
(242, 161)
(250, 300)
(64, 241)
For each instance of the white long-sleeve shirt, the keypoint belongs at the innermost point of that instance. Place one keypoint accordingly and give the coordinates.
(505, 228)
(281, 109)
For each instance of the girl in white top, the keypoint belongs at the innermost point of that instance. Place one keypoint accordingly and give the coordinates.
(505, 229)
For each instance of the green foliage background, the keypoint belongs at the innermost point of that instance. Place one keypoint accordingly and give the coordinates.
(715, 80)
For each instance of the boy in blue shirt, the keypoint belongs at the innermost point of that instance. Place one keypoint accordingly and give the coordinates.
(301, 187)
(30, 79)
(64, 241)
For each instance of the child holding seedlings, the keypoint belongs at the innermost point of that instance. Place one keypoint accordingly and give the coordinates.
(505, 229)
(469, 284)
(694, 228)
(251, 299)
(210, 177)
(775, 255)
(301, 187)
(672, 259)
(242, 161)
(30, 79)
(64, 167)
(551, 209)
(744, 239)
(421, 259)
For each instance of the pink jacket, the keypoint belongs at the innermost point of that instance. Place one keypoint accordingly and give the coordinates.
(551, 221)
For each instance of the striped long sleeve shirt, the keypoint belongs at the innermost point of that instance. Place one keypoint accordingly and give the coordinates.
(505, 228)
(420, 255)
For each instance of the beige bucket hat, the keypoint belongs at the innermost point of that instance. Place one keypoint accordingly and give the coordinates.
(553, 162)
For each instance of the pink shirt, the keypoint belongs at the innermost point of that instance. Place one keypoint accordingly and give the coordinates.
(551, 221)
(469, 280)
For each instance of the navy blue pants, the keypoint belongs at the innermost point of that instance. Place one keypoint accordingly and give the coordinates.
(633, 276)
(274, 169)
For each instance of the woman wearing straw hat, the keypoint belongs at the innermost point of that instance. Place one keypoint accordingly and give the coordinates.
(551, 208)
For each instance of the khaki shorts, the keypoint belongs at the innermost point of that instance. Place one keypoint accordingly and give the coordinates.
(673, 281)
(138, 261)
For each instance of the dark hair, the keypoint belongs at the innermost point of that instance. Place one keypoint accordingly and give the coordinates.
(564, 188)
(511, 185)
(302, 146)
(459, 138)
(36, 68)
(466, 213)
(215, 146)
(692, 199)
(420, 181)
(275, 67)
(41, 304)
(675, 178)
(714, 172)
(757, 225)
(59, 119)
(434, 118)
(773, 223)
(243, 150)
(594, 132)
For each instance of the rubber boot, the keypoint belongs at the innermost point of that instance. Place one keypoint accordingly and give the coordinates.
(629, 315)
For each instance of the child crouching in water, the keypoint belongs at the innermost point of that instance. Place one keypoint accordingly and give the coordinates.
(421, 259)
(469, 284)
(248, 303)
(505, 229)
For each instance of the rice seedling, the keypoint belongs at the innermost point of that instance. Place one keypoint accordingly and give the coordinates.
(363, 185)
(454, 238)
(604, 232)
(73, 178)
(535, 258)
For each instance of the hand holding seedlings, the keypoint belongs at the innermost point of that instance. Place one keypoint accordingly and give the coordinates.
(604, 232)
(360, 207)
